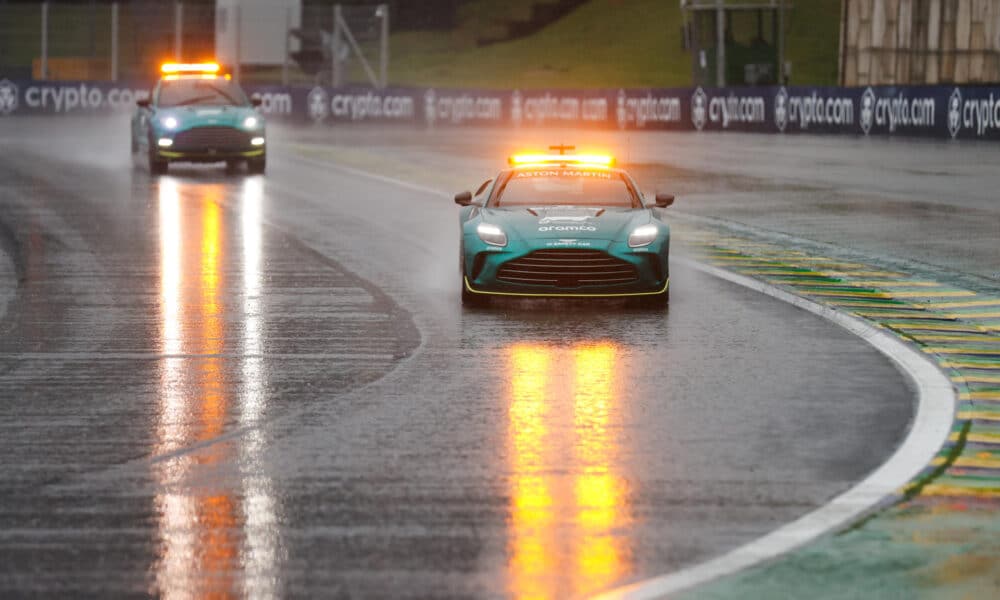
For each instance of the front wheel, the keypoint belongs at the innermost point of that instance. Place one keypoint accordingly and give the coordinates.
(257, 166)
(471, 299)
(157, 166)
(657, 301)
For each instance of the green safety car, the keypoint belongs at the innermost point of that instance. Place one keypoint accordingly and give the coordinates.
(561, 225)
(197, 115)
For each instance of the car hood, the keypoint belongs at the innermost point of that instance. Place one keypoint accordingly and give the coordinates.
(194, 116)
(557, 222)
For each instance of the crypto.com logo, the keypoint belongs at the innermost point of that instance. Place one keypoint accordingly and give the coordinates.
(318, 103)
(430, 106)
(781, 109)
(955, 113)
(621, 111)
(867, 110)
(516, 107)
(8, 97)
(699, 109)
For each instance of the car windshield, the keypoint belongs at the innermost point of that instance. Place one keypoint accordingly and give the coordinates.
(201, 92)
(566, 187)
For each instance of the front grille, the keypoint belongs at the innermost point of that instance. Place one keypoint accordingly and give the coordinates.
(568, 268)
(212, 138)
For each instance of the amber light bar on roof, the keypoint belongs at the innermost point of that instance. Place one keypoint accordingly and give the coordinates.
(598, 160)
(190, 68)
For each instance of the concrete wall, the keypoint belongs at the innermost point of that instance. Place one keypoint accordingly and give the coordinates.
(887, 42)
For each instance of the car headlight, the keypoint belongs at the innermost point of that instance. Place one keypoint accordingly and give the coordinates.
(491, 234)
(169, 122)
(251, 122)
(643, 236)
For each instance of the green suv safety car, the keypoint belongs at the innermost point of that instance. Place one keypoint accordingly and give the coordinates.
(194, 114)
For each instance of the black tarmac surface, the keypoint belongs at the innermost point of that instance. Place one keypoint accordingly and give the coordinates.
(221, 384)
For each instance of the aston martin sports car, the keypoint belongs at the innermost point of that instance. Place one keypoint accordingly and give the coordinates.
(563, 226)
(197, 114)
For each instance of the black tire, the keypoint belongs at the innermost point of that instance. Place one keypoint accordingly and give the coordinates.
(659, 301)
(156, 166)
(257, 166)
(471, 299)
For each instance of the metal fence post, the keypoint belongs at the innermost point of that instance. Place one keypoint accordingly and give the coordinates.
(178, 31)
(238, 22)
(383, 11)
(335, 48)
(44, 67)
(720, 43)
(781, 42)
(288, 46)
(114, 41)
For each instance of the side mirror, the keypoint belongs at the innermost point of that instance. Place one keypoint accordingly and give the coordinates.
(256, 101)
(664, 200)
(463, 199)
(142, 102)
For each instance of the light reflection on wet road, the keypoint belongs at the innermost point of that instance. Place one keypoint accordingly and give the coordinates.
(198, 534)
(563, 404)
(202, 397)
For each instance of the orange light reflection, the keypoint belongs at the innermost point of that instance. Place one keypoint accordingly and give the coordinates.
(565, 518)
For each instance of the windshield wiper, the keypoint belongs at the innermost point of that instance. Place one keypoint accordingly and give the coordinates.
(195, 100)
(531, 211)
(222, 93)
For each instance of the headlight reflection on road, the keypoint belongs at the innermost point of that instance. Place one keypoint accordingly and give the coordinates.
(217, 534)
(262, 546)
(565, 527)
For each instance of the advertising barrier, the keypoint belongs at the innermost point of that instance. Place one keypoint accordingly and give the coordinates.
(967, 112)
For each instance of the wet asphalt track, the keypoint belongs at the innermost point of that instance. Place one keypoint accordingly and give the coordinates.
(232, 385)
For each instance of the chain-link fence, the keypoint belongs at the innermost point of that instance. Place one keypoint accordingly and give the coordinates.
(279, 41)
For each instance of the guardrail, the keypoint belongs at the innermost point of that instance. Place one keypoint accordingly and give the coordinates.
(967, 112)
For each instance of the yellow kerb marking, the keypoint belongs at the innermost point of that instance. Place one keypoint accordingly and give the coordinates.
(950, 490)
(779, 272)
(989, 395)
(979, 415)
(953, 294)
(851, 294)
(893, 283)
(850, 273)
(975, 379)
(970, 351)
(799, 282)
(788, 259)
(970, 304)
(977, 438)
(936, 327)
(905, 315)
(957, 338)
(968, 364)
(863, 304)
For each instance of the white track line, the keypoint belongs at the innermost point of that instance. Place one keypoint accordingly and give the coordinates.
(928, 432)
